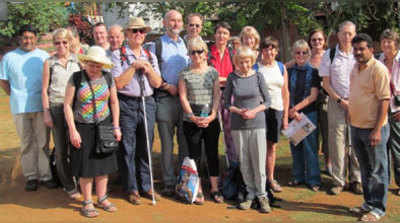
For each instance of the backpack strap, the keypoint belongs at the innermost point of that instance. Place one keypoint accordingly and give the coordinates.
(158, 51)
(281, 67)
(122, 55)
(256, 67)
(332, 53)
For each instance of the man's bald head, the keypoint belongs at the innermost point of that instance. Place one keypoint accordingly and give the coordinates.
(115, 36)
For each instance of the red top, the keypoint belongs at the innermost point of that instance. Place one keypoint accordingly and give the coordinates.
(224, 66)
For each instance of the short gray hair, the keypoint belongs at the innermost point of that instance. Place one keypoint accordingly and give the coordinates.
(346, 23)
(301, 44)
(245, 52)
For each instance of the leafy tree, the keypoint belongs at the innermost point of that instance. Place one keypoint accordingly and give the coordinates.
(44, 15)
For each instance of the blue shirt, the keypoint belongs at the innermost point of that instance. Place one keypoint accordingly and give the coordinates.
(174, 56)
(133, 88)
(23, 70)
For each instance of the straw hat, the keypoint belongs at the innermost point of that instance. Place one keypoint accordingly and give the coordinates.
(96, 54)
(137, 23)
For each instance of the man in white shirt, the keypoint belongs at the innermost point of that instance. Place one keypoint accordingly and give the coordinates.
(335, 70)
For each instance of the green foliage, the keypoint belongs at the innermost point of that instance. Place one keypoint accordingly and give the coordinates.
(45, 15)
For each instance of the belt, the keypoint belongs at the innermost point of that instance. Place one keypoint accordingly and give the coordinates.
(127, 97)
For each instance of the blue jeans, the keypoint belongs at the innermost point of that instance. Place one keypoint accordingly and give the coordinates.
(374, 168)
(305, 157)
(134, 145)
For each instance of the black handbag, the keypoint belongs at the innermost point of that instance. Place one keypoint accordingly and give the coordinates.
(106, 143)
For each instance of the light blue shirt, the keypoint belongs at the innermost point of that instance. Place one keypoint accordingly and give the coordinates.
(133, 87)
(174, 56)
(23, 71)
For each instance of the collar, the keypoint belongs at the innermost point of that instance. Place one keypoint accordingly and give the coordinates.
(71, 58)
(168, 39)
(343, 53)
(129, 52)
(369, 63)
(302, 68)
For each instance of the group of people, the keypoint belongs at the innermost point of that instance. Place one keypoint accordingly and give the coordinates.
(191, 90)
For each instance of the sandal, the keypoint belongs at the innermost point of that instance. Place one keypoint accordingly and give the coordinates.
(370, 217)
(358, 210)
(217, 197)
(199, 199)
(75, 195)
(88, 212)
(294, 183)
(109, 208)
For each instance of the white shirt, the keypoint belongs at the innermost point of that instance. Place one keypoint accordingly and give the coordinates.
(394, 79)
(338, 71)
(274, 80)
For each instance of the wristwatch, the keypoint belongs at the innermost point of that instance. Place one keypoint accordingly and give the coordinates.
(339, 100)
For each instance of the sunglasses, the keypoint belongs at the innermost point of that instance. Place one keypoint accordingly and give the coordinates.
(317, 39)
(301, 52)
(57, 43)
(195, 25)
(138, 30)
(193, 52)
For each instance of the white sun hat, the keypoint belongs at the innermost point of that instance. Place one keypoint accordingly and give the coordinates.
(96, 54)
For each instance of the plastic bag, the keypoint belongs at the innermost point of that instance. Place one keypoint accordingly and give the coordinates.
(188, 181)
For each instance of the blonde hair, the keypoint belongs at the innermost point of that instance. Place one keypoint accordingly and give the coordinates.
(197, 43)
(250, 31)
(62, 33)
(245, 52)
(301, 44)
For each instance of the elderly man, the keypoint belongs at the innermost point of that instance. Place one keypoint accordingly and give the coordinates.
(173, 57)
(194, 25)
(100, 35)
(368, 106)
(115, 37)
(136, 74)
(335, 68)
(21, 78)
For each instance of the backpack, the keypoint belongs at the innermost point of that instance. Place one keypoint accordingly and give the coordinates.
(332, 54)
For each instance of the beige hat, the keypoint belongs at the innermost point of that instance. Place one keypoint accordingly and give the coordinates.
(96, 54)
(137, 23)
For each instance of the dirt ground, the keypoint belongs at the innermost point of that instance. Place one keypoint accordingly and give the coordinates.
(298, 205)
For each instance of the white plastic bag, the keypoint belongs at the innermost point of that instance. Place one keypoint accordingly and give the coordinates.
(189, 181)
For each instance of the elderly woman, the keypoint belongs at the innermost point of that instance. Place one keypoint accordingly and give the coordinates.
(56, 72)
(90, 100)
(248, 124)
(250, 37)
(220, 57)
(276, 115)
(199, 94)
(304, 84)
(391, 58)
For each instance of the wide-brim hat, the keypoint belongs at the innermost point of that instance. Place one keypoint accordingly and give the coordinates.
(137, 23)
(96, 54)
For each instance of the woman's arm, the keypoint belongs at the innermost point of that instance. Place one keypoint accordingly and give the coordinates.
(305, 102)
(185, 102)
(251, 113)
(74, 136)
(114, 106)
(45, 96)
(285, 99)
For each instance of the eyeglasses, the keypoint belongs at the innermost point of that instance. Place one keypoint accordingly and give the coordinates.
(317, 39)
(302, 53)
(193, 52)
(57, 43)
(138, 30)
(196, 25)
(269, 47)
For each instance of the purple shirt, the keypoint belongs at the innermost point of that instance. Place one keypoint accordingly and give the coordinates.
(133, 88)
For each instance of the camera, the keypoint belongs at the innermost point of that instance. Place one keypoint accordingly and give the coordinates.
(397, 100)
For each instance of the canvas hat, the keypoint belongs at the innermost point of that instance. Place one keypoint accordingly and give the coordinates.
(96, 54)
(137, 23)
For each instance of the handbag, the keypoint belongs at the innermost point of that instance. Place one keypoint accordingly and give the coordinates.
(106, 143)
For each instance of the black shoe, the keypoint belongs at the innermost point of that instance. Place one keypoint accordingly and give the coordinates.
(49, 184)
(31, 185)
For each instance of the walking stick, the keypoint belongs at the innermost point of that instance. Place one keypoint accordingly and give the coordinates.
(141, 84)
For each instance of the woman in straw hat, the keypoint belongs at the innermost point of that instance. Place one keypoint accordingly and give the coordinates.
(85, 88)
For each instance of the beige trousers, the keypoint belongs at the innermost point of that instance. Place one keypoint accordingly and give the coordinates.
(34, 137)
(342, 155)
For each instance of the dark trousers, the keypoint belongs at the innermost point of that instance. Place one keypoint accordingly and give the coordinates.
(134, 147)
(373, 165)
(394, 149)
(195, 135)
